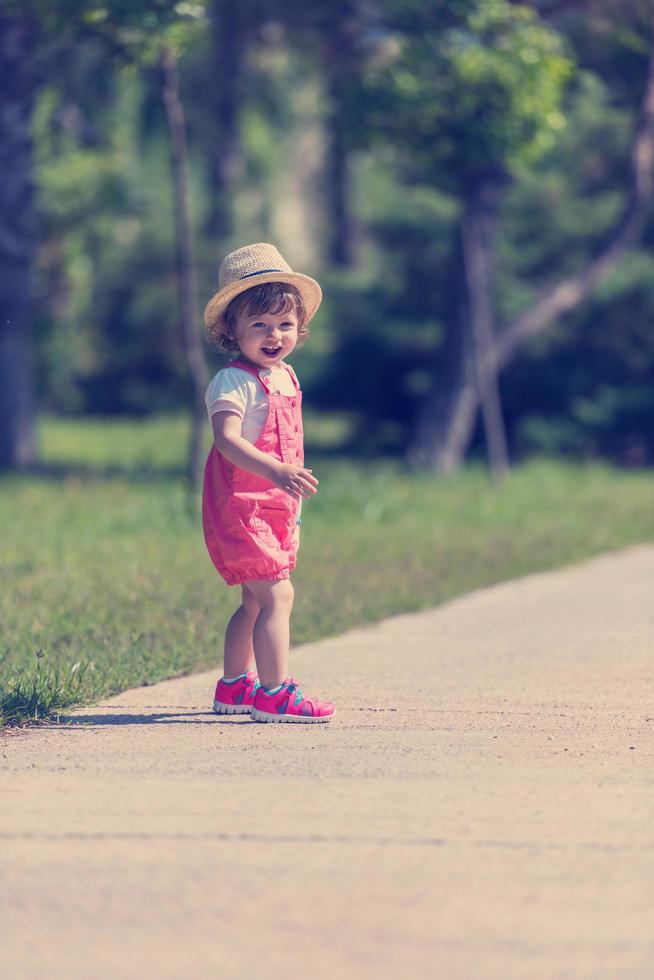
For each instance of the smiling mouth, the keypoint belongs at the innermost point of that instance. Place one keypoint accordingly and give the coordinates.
(271, 351)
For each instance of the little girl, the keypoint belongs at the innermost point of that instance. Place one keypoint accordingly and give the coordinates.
(255, 479)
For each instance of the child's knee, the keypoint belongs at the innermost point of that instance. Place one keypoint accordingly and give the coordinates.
(288, 592)
(282, 594)
(277, 595)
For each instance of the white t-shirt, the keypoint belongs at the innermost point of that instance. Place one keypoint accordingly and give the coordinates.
(234, 390)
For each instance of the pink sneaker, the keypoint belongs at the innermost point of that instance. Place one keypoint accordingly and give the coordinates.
(289, 704)
(237, 697)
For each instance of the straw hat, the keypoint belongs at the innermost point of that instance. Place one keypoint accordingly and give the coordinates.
(250, 266)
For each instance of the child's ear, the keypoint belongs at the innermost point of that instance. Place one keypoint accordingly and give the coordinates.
(228, 341)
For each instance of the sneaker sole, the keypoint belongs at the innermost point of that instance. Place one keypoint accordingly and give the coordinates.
(258, 715)
(231, 709)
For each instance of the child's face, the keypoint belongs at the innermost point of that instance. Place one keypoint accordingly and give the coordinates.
(266, 338)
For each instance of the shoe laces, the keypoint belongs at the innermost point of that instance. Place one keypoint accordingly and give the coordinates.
(293, 687)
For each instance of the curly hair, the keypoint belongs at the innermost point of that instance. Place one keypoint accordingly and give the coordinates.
(268, 297)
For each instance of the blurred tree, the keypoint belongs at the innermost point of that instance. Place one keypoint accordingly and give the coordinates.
(233, 28)
(469, 91)
(137, 33)
(186, 274)
(19, 40)
(407, 315)
(341, 62)
(335, 35)
(106, 324)
(586, 385)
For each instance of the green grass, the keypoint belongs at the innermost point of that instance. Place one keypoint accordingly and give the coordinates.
(42, 692)
(103, 564)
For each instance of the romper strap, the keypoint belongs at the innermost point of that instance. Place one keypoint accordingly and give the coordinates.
(293, 375)
(244, 366)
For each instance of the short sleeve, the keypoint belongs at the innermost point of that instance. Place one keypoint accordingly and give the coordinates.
(231, 390)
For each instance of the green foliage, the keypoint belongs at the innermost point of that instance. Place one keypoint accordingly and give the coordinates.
(444, 93)
(555, 210)
(112, 343)
(132, 30)
(388, 324)
(477, 94)
(586, 387)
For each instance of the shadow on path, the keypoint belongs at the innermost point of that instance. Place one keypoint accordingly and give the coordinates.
(68, 722)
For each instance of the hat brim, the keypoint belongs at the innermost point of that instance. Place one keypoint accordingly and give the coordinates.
(308, 288)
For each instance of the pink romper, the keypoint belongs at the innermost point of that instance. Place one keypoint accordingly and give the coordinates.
(249, 523)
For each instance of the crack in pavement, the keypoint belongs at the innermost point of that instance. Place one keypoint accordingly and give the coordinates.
(330, 839)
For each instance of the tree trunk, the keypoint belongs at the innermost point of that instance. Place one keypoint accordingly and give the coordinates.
(555, 301)
(446, 418)
(340, 64)
(185, 262)
(477, 237)
(17, 243)
(339, 249)
(229, 27)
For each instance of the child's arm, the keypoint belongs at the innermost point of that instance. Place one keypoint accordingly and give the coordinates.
(295, 480)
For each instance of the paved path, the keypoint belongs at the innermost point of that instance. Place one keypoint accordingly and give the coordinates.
(481, 807)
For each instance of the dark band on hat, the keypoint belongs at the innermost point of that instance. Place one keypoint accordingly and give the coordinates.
(262, 272)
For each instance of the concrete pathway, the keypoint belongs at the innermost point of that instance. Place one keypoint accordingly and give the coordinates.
(481, 807)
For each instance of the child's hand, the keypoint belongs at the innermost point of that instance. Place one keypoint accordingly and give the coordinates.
(295, 480)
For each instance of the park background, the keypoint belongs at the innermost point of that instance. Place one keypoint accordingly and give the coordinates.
(471, 182)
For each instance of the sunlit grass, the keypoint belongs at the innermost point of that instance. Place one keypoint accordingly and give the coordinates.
(42, 692)
(110, 571)
(154, 444)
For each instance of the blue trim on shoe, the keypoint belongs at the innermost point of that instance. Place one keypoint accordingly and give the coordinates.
(232, 680)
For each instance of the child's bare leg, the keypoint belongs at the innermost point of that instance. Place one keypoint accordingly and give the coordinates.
(271, 635)
(239, 650)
